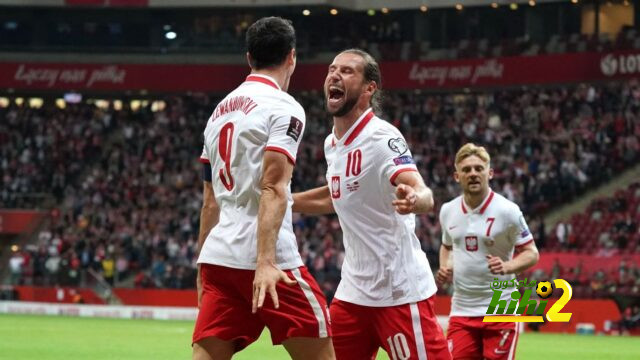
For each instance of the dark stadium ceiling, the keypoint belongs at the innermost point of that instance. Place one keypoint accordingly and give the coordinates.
(345, 4)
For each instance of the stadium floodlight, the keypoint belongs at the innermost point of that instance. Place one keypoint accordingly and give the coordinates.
(170, 35)
(306, 12)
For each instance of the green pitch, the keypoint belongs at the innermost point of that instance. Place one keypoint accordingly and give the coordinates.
(63, 338)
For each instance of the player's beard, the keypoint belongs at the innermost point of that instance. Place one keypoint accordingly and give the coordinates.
(348, 105)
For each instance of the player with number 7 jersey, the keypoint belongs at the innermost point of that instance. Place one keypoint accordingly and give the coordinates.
(481, 230)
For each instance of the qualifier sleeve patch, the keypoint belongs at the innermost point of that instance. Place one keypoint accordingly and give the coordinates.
(403, 160)
(295, 128)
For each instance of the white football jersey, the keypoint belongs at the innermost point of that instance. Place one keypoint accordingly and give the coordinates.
(384, 264)
(255, 117)
(495, 228)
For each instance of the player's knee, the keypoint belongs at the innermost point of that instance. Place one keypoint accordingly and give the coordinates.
(212, 349)
(310, 348)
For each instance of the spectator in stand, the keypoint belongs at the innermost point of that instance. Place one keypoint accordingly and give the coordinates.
(16, 265)
(122, 175)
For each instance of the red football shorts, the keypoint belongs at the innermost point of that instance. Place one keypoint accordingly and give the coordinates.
(225, 311)
(409, 331)
(470, 338)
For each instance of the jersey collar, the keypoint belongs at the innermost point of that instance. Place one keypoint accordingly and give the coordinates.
(482, 208)
(265, 79)
(355, 129)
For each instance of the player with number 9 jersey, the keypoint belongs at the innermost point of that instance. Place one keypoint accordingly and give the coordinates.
(250, 273)
(254, 118)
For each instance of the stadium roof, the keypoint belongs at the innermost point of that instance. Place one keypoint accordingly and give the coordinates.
(345, 4)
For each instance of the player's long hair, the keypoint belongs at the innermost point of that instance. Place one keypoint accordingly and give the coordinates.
(371, 73)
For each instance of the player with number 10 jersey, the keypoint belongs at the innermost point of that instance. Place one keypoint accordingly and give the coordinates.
(386, 295)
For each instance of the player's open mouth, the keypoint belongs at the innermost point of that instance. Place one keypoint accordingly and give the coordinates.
(335, 94)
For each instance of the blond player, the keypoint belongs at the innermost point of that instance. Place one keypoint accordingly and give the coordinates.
(385, 297)
(250, 274)
(480, 231)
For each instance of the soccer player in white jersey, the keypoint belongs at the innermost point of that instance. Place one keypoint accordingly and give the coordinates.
(386, 295)
(250, 274)
(480, 230)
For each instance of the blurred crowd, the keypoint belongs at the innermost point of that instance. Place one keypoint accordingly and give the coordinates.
(128, 184)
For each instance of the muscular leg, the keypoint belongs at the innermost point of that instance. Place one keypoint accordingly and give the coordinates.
(302, 348)
(212, 348)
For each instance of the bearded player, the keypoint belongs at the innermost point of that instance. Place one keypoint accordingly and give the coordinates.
(481, 230)
(385, 298)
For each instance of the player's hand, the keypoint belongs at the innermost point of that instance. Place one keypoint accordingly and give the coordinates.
(406, 199)
(497, 266)
(444, 275)
(199, 287)
(265, 280)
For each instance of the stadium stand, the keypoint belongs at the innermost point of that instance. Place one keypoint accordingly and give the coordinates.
(119, 216)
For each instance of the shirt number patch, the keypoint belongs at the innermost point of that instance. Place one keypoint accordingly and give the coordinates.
(354, 163)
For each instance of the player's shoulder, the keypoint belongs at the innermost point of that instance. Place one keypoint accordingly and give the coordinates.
(447, 207)
(505, 206)
(386, 136)
(503, 201)
(329, 141)
(289, 104)
(382, 128)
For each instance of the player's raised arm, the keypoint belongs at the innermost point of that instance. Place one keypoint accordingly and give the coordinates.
(209, 216)
(314, 202)
(276, 174)
(412, 195)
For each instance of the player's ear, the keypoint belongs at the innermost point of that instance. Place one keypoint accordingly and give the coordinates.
(456, 176)
(490, 173)
(249, 60)
(372, 88)
(291, 58)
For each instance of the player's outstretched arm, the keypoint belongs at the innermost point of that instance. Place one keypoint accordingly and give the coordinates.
(276, 174)
(314, 202)
(412, 195)
(209, 216)
(445, 272)
(526, 256)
